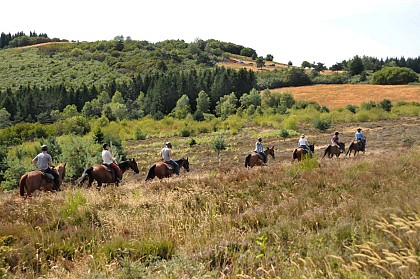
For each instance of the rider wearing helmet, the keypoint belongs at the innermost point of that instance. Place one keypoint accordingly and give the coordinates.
(166, 155)
(108, 160)
(43, 162)
(259, 149)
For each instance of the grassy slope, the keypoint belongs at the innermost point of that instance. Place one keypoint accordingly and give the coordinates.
(348, 217)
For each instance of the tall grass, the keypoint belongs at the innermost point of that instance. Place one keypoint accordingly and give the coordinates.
(315, 219)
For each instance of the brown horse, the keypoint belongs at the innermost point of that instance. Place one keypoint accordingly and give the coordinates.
(36, 180)
(254, 159)
(335, 150)
(299, 153)
(102, 174)
(162, 170)
(355, 146)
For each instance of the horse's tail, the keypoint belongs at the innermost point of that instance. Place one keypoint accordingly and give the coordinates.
(294, 156)
(350, 149)
(327, 150)
(22, 184)
(248, 157)
(151, 173)
(86, 173)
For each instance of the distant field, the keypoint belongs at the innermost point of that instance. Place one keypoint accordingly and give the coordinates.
(334, 96)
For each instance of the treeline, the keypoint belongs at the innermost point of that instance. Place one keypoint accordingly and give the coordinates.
(155, 94)
(374, 64)
(21, 39)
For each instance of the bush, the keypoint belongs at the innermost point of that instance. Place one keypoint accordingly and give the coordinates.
(322, 124)
(139, 134)
(395, 75)
(284, 133)
(386, 105)
(192, 142)
(219, 144)
(185, 132)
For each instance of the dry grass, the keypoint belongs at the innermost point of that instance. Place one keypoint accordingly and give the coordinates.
(336, 96)
(339, 218)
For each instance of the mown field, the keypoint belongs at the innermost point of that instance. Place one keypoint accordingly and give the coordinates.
(335, 218)
(339, 95)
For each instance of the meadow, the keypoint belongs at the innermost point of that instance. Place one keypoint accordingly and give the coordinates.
(352, 217)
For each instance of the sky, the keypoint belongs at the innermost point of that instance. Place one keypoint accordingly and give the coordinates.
(326, 31)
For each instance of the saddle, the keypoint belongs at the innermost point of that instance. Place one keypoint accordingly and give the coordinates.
(47, 176)
(108, 168)
(169, 166)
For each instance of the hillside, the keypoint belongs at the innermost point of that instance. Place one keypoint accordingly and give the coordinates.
(323, 218)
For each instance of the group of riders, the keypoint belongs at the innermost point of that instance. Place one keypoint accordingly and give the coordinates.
(303, 143)
(43, 161)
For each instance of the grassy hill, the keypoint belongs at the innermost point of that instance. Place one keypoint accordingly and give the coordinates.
(346, 217)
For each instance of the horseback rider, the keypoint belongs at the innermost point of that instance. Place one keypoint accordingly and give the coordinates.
(360, 138)
(303, 143)
(166, 155)
(259, 150)
(335, 140)
(108, 160)
(43, 162)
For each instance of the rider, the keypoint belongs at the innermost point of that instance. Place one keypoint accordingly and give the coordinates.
(166, 155)
(360, 138)
(43, 162)
(108, 160)
(335, 140)
(303, 143)
(259, 150)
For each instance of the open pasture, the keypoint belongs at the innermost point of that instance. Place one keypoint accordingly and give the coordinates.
(345, 217)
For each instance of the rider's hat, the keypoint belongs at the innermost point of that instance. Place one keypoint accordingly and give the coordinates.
(44, 148)
(336, 133)
(359, 129)
(259, 139)
(168, 144)
(302, 136)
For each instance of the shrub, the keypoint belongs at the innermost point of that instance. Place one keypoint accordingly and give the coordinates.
(386, 105)
(284, 133)
(219, 144)
(139, 134)
(185, 132)
(395, 75)
(192, 142)
(322, 124)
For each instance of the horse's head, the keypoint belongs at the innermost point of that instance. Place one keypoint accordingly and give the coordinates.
(61, 169)
(270, 151)
(184, 163)
(133, 165)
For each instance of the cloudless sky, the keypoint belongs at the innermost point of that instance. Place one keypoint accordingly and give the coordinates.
(326, 31)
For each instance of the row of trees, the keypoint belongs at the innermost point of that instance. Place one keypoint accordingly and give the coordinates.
(21, 39)
(155, 94)
(359, 64)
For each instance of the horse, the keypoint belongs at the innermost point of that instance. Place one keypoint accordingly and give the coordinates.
(254, 159)
(163, 170)
(355, 146)
(36, 180)
(101, 174)
(334, 150)
(299, 153)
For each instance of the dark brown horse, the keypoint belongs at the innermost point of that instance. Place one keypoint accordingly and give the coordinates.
(335, 150)
(355, 146)
(163, 170)
(36, 180)
(300, 153)
(102, 174)
(254, 159)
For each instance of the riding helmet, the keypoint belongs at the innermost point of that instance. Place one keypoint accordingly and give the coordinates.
(336, 133)
(44, 148)
(168, 144)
